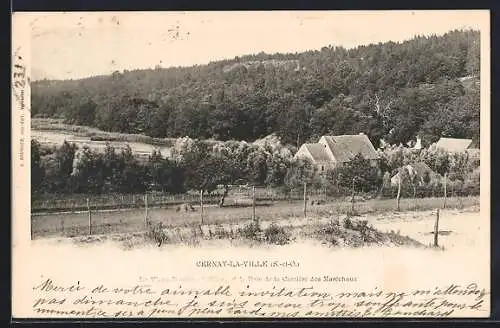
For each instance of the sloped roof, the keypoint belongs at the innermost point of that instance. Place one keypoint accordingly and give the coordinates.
(318, 152)
(418, 168)
(421, 168)
(453, 144)
(346, 147)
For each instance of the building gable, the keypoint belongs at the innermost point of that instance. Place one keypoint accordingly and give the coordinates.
(316, 152)
(344, 148)
(454, 144)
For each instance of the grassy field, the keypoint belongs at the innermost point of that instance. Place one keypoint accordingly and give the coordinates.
(52, 132)
(128, 221)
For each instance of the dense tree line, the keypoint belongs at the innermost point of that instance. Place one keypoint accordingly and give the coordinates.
(199, 165)
(386, 90)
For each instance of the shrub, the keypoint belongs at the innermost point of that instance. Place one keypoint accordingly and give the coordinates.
(156, 233)
(347, 224)
(362, 227)
(250, 231)
(220, 232)
(275, 234)
(333, 227)
(332, 231)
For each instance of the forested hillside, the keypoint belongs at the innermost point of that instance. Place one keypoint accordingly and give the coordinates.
(426, 86)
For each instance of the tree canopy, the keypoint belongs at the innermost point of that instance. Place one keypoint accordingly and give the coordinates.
(426, 86)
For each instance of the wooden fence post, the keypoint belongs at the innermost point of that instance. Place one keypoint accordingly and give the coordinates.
(415, 197)
(352, 196)
(201, 205)
(436, 229)
(398, 197)
(305, 200)
(445, 179)
(146, 208)
(253, 205)
(90, 216)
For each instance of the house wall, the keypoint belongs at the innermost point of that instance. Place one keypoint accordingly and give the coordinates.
(303, 153)
(323, 167)
(322, 141)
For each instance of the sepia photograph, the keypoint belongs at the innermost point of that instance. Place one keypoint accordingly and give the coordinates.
(280, 164)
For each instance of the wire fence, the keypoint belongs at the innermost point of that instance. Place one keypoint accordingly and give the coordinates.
(240, 195)
(236, 196)
(105, 214)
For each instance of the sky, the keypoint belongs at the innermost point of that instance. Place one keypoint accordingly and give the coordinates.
(81, 44)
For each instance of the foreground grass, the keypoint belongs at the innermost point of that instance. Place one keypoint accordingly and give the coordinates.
(347, 233)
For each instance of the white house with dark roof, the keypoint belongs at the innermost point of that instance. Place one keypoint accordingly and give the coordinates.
(317, 154)
(331, 151)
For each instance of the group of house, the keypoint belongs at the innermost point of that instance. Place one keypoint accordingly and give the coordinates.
(330, 151)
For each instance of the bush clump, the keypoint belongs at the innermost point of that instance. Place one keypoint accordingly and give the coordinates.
(156, 233)
(347, 224)
(275, 234)
(251, 230)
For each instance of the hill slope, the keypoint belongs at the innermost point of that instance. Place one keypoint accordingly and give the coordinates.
(391, 90)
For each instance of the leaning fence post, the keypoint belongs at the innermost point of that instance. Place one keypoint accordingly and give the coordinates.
(90, 216)
(436, 229)
(398, 197)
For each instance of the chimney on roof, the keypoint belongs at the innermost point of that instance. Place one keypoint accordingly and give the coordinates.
(418, 144)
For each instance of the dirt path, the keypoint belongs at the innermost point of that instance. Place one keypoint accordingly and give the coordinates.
(457, 228)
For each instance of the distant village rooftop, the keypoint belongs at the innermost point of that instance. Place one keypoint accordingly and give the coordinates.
(454, 144)
(346, 147)
(332, 150)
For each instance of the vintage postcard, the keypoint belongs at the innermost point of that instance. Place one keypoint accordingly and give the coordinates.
(281, 164)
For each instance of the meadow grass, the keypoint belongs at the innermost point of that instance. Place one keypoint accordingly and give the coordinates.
(94, 134)
(134, 220)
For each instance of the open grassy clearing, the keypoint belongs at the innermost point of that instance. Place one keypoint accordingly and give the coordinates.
(129, 221)
(52, 132)
(459, 228)
(51, 138)
(57, 126)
